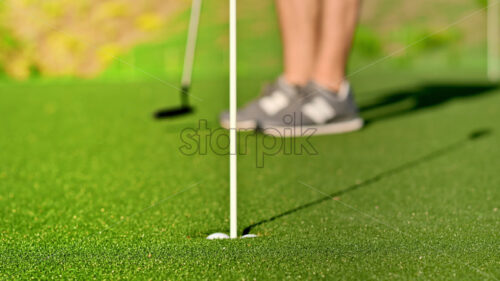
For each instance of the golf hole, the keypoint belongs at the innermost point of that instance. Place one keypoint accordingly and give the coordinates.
(219, 235)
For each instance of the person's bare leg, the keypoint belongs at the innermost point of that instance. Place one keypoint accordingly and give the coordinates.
(299, 26)
(338, 22)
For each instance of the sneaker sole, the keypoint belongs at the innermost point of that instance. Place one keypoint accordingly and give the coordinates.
(240, 125)
(327, 129)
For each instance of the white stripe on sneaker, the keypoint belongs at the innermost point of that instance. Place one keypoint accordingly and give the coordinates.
(319, 110)
(274, 103)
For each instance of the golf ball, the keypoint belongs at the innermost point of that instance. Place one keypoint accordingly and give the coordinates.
(217, 235)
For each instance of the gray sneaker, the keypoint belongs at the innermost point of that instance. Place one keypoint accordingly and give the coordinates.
(317, 112)
(274, 99)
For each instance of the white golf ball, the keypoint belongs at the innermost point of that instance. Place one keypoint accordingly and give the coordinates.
(217, 235)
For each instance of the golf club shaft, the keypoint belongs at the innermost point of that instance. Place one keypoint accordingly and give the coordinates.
(191, 45)
(232, 121)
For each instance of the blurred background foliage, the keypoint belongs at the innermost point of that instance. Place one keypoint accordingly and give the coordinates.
(75, 37)
(134, 39)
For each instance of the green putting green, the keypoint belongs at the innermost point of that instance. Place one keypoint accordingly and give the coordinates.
(93, 187)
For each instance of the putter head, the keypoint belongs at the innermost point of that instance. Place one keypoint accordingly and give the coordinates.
(184, 109)
(173, 112)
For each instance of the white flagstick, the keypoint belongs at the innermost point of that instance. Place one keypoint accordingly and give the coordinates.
(493, 41)
(233, 219)
(232, 130)
(232, 120)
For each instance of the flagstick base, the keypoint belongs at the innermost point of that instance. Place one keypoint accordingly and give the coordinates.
(220, 236)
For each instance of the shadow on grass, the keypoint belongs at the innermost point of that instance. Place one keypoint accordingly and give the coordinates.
(473, 136)
(403, 102)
